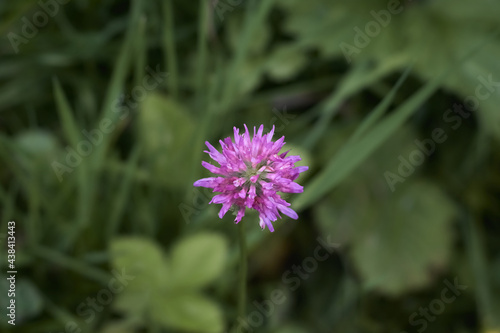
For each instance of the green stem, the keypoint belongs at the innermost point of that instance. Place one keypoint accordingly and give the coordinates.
(243, 272)
(170, 48)
(477, 256)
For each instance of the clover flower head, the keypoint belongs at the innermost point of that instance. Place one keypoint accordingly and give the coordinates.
(252, 172)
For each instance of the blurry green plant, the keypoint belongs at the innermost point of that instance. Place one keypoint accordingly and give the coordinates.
(443, 220)
(432, 33)
(165, 292)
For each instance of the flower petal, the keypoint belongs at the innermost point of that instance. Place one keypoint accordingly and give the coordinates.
(210, 182)
(292, 188)
(269, 136)
(215, 154)
(246, 136)
(264, 222)
(220, 198)
(240, 214)
(259, 132)
(288, 212)
(224, 209)
(301, 169)
(236, 135)
(212, 168)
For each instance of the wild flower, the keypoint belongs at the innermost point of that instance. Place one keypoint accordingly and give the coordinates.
(252, 172)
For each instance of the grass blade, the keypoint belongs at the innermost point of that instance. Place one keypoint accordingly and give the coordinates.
(352, 155)
(169, 48)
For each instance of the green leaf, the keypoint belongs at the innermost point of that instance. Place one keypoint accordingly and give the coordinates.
(141, 259)
(187, 312)
(38, 144)
(360, 76)
(35, 150)
(198, 260)
(258, 42)
(85, 182)
(339, 215)
(69, 124)
(249, 75)
(164, 128)
(407, 224)
(404, 238)
(285, 62)
(168, 295)
(133, 304)
(418, 31)
(344, 162)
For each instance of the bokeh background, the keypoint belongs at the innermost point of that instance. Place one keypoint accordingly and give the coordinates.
(394, 106)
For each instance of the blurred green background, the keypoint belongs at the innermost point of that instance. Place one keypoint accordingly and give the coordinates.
(394, 106)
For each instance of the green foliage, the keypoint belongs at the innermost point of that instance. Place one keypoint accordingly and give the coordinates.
(198, 261)
(165, 127)
(129, 203)
(410, 226)
(433, 33)
(165, 290)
